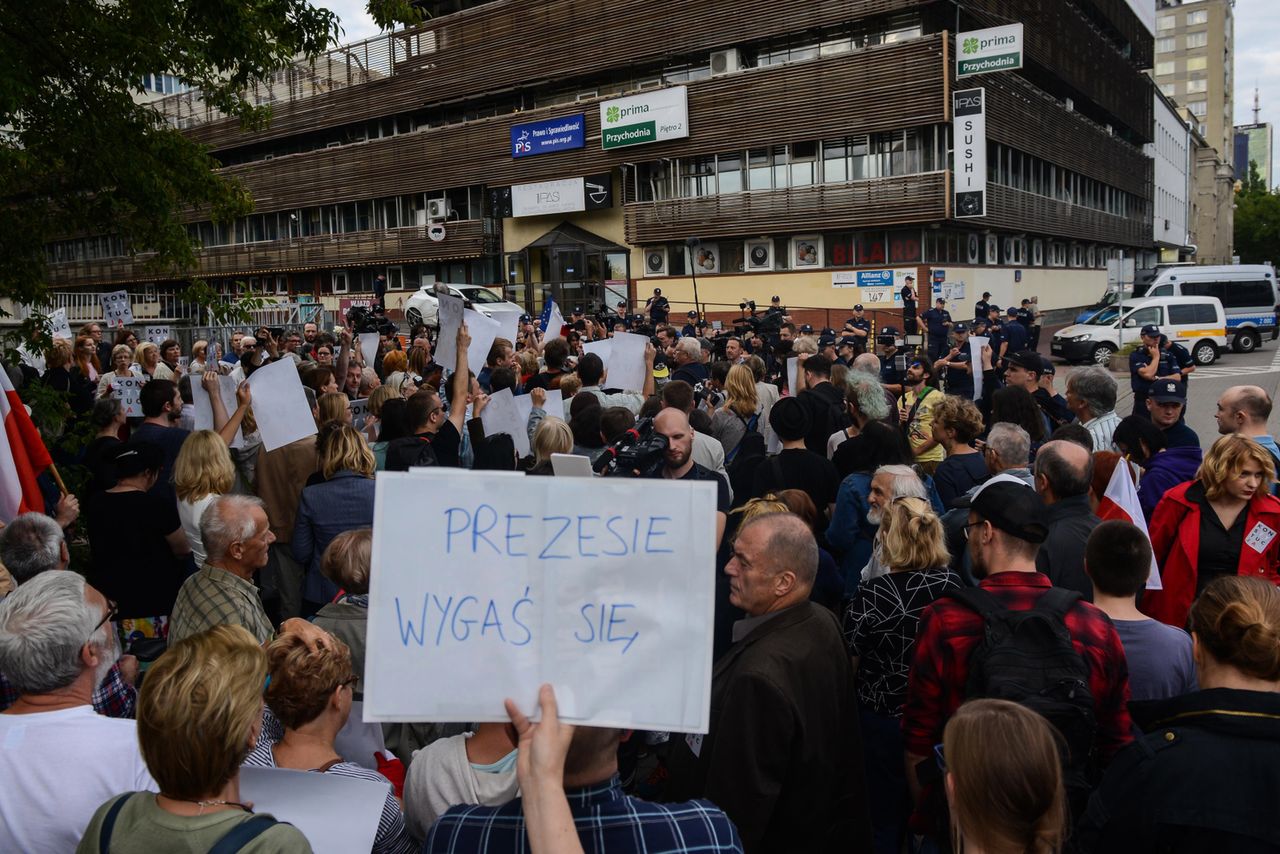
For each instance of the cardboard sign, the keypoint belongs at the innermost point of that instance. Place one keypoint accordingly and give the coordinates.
(493, 584)
(128, 390)
(157, 334)
(359, 412)
(369, 342)
(553, 406)
(116, 308)
(450, 318)
(337, 814)
(204, 407)
(626, 365)
(59, 326)
(976, 343)
(279, 405)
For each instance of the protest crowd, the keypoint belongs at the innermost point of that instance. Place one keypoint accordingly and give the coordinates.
(959, 605)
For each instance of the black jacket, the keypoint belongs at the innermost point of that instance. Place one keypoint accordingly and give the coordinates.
(784, 755)
(1203, 779)
(1061, 557)
(826, 408)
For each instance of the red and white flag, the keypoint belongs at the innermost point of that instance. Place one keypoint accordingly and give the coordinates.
(1120, 501)
(23, 456)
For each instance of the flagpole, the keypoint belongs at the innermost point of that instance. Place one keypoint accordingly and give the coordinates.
(53, 469)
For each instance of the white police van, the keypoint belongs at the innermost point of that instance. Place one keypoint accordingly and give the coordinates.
(1248, 294)
(1197, 323)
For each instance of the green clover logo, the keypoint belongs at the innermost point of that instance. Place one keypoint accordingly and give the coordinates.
(612, 114)
(970, 46)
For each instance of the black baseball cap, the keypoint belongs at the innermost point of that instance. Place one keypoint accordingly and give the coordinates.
(577, 309)
(1014, 508)
(622, 303)
(1168, 391)
(776, 298)
(993, 307)
(1047, 368)
(1151, 331)
(1028, 360)
(986, 294)
(524, 318)
(960, 327)
(826, 340)
(806, 329)
(1011, 311)
(887, 331)
(858, 307)
(657, 292)
(691, 313)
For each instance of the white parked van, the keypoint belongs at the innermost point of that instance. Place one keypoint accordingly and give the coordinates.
(1197, 323)
(1248, 294)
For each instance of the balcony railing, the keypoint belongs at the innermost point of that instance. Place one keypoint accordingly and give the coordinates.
(86, 307)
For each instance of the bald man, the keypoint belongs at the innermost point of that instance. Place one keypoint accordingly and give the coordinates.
(783, 756)
(1244, 410)
(678, 464)
(1063, 472)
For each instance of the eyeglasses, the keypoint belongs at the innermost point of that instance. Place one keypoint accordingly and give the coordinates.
(968, 526)
(112, 611)
(350, 680)
(940, 756)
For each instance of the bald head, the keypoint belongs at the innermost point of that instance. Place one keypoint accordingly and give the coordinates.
(1243, 409)
(674, 424)
(1063, 470)
(670, 419)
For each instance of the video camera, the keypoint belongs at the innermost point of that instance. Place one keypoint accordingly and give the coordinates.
(636, 454)
(365, 320)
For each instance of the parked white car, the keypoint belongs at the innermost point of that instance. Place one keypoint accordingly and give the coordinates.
(423, 307)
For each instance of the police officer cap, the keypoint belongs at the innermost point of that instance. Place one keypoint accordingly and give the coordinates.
(1151, 331)
(692, 314)
(1168, 391)
(858, 307)
(960, 327)
(806, 330)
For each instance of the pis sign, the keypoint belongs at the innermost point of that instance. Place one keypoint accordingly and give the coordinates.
(548, 135)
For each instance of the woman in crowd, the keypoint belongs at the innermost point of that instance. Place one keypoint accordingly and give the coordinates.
(125, 337)
(1016, 406)
(880, 628)
(342, 503)
(392, 424)
(321, 379)
(324, 355)
(121, 367)
(1206, 776)
(107, 418)
(310, 692)
(86, 358)
(553, 436)
(377, 398)
(1163, 468)
(63, 375)
(419, 361)
(170, 353)
(199, 355)
(147, 357)
(740, 413)
(202, 472)
(1003, 780)
(333, 406)
(199, 714)
(1214, 526)
(864, 400)
(956, 424)
(139, 555)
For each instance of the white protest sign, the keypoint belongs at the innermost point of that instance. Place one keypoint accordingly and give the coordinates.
(571, 465)
(493, 585)
(359, 412)
(204, 407)
(509, 327)
(30, 358)
(602, 348)
(793, 373)
(626, 365)
(128, 390)
(369, 347)
(337, 814)
(554, 405)
(157, 334)
(483, 331)
(116, 308)
(280, 405)
(976, 343)
(500, 415)
(450, 318)
(59, 326)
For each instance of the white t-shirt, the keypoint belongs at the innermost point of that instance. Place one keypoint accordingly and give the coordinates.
(58, 768)
(440, 776)
(189, 513)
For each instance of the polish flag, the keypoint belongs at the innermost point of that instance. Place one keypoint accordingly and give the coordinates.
(1120, 501)
(23, 456)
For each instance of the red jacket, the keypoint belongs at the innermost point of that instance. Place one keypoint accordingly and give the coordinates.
(1175, 538)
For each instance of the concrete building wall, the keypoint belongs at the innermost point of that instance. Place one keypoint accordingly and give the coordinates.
(1195, 48)
(1171, 154)
(1214, 215)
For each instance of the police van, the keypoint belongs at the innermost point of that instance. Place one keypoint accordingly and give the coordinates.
(1247, 292)
(1197, 323)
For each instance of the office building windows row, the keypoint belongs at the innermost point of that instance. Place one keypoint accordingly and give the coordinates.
(1013, 168)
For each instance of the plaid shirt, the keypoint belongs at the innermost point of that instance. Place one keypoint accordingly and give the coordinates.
(114, 698)
(949, 633)
(216, 597)
(606, 819)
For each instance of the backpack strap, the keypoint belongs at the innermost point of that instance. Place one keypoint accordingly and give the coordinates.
(242, 834)
(109, 823)
(1058, 601)
(977, 599)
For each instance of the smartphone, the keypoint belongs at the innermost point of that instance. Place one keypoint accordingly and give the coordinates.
(277, 332)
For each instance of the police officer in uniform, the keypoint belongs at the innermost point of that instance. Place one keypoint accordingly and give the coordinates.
(659, 307)
(691, 325)
(858, 328)
(1181, 357)
(937, 323)
(957, 362)
(980, 307)
(890, 374)
(1014, 333)
(909, 326)
(1147, 364)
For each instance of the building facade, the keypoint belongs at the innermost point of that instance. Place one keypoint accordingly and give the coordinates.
(1195, 49)
(1172, 155)
(1253, 145)
(802, 150)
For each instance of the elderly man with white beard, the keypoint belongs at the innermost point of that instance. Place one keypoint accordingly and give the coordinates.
(889, 483)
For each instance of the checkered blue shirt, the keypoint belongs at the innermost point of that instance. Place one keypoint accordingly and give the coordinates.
(607, 821)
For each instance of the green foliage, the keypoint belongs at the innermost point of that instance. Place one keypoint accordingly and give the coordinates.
(1257, 221)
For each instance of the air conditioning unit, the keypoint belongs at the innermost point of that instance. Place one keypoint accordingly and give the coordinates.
(759, 255)
(973, 249)
(1037, 253)
(993, 249)
(725, 61)
(437, 209)
(655, 261)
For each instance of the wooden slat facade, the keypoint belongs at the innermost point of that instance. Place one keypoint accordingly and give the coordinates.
(861, 204)
(1018, 211)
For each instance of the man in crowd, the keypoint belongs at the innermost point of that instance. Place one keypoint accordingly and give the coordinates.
(678, 464)
(1244, 410)
(890, 375)
(310, 332)
(1091, 397)
(824, 402)
(687, 354)
(279, 477)
(690, 328)
(502, 354)
(733, 352)
(1025, 369)
(436, 437)
(1147, 364)
(61, 760)
(1180, 355)
(958, 363)
(659, 307)
(783, 754)
(1013, 333)
(707, 451)
(1064, 471)
(938, 324)
(591, 372)
(859, 328)
(888, 484)
(1166, 400)
(915, 413)
(555, 356)
(161, 411)
(980, 307)
(1004, 534)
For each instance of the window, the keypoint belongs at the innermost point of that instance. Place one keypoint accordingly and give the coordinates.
(1192, 314)
(1198, 108)
(1151, 316)
(1197, 63)
(1164, 68)
(1166, 44)
(729, 168)
(1199, 85)
(1197, 39)
(1198, 17)
(1167, 22)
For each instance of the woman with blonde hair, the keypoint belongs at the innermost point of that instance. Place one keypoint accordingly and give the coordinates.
(63, 375)
(553, 436)
(199, 353)
(880, 627)
(419, 361)
(199, 715)
(1004, 780)
(377, 399)
(202, 472)
(342, 502)
(1222, 523)
(147, 357)
(740, 413)
(1204, 777)
(121, 367)
(333, 406)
